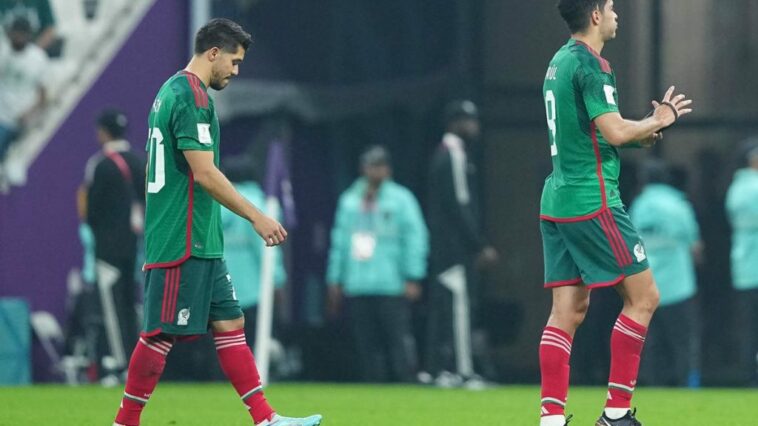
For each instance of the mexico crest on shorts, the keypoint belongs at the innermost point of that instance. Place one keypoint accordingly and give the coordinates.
(183, 317)
(639, 252)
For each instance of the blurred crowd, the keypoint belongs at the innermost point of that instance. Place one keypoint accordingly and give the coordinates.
(27, 38)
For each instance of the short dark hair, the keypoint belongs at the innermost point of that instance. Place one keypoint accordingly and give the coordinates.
(222, 33)
(577, 13)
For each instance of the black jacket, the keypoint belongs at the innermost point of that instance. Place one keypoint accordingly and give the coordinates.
(453, 207)
(110, 193)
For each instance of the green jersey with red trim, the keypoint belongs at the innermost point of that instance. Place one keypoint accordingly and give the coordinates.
(181, 218)
(579, 86)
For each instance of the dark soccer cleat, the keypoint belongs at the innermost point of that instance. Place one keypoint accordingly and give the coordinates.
(627, 420)
(568, 419)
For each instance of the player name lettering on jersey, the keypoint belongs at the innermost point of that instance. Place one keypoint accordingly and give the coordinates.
(551, 72)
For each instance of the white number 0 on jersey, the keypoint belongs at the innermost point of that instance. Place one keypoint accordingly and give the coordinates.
(158, 161)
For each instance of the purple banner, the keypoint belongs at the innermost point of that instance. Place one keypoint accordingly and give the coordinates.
(39, 243)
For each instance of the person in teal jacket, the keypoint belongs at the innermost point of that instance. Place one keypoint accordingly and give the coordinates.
(742, 210)
(243, 248)
(666, 222)
(378, 256)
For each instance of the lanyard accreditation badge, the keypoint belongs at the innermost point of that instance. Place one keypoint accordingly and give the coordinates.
(363, 245)
(363, 241)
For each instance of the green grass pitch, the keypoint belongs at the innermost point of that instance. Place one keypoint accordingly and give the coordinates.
(343, 405)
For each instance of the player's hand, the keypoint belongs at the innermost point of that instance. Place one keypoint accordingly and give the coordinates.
(412, 291)
(671, 107)
(651, 140)
(272, 232)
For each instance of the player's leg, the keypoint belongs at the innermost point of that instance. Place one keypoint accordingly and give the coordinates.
(608, 252)
(569, 307)
(640, 297)
(149, 356)
(145, 368)
(570, 304)
(236, 359)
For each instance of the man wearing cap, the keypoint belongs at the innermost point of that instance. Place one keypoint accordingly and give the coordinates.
(379, 245)
(111, 201)
(457, 244)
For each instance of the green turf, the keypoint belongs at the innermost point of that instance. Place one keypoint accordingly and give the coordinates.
(342, 405)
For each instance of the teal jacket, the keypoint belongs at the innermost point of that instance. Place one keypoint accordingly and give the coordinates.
(742, 209)
(396, 236)
(666, 222)
(243, 249)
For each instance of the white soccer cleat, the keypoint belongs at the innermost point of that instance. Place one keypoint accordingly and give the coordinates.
(278, 420)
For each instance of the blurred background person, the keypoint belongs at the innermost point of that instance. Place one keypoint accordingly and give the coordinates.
(22, 93)
(40, 16)
(666, 221)
(742, 210)
(457, 246)
(243, 248)
(378, 256)
(111, 199)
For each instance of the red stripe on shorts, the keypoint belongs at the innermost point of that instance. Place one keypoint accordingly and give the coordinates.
(175, 291)
(614, 244)
(626, 258)
(166, 285)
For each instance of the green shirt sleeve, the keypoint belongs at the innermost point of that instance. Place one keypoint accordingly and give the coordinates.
(598, 92)
(191, 126)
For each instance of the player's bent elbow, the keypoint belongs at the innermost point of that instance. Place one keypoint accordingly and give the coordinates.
(615, 138)
(613, 128)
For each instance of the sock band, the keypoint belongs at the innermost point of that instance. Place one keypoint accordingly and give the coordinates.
(251, 393)
(629, 327)
(556, 337)
(228, 339)
(161, 346)
(136, 399)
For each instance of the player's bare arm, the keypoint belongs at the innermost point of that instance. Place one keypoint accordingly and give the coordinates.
(218, 186)
(620, 131)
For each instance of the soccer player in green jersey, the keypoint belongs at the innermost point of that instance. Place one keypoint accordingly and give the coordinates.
(588, 239)
(187, 287)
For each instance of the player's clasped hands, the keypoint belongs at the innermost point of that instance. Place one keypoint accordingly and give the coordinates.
(272, 232)
(671, 107)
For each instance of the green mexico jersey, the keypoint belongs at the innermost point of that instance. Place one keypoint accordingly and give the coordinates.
(579, 86)
(181, 218)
